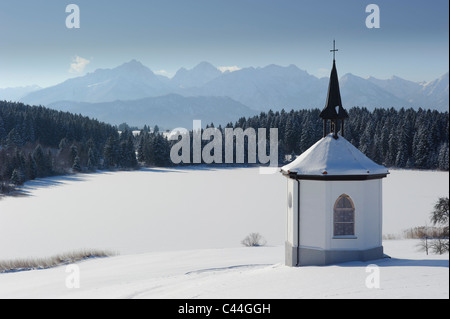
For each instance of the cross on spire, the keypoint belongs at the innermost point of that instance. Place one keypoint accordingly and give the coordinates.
(333, 110)
(334, 49)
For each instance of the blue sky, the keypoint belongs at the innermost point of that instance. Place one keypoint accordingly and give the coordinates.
(37, 48)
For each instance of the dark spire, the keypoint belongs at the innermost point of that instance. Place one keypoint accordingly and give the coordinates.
(333, 110)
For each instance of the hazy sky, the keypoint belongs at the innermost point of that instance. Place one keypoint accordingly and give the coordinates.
(36, 47)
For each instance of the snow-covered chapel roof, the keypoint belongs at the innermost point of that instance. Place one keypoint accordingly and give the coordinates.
(334, 158)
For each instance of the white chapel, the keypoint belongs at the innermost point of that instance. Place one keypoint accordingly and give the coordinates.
(334, 196)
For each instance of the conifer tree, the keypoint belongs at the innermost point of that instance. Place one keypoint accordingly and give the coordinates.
(73, 153)
(443, 158)
(76, 164)
(92, 163)
(111, 152)
(31, 169)
(17, 177)
(41, 161)
(2, 130)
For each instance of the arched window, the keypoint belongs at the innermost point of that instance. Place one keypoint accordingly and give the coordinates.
(344, 216)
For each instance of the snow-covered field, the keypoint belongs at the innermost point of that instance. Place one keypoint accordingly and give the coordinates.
(178, 233)
(256, 273)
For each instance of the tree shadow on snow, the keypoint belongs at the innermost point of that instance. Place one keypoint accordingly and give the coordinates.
(159, 170)
(215, 167)
(416, 263)
(398, 262)
(54, 181)
(186, 168)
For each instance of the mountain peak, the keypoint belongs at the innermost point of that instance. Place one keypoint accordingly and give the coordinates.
(197, 76)
(132, 62)
(350, 77)
(205, 65)
(132, 65)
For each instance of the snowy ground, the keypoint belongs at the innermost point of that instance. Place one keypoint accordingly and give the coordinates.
(178, 232)
(243, 273)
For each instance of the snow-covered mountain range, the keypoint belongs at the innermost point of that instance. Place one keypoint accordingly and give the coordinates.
(251, 89)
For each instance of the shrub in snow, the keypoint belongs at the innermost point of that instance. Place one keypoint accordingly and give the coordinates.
(254, 239)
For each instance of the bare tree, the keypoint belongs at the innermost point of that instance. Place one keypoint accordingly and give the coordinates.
(440, 216)
(424, 244)
(439, 245)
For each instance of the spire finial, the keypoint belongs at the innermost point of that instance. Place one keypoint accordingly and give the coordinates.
(334, 49)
